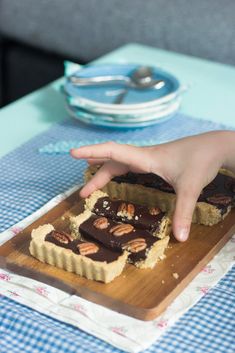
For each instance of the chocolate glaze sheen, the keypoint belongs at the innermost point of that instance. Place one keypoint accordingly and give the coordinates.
(102, 255)
(222, 185)
(141, 219)
(104, 236)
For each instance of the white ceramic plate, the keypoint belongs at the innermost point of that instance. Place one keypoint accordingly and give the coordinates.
(111, 121)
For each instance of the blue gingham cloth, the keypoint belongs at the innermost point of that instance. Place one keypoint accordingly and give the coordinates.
(208, 327)
(29, 179)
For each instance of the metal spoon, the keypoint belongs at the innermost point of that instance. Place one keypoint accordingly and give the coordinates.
(141, 78)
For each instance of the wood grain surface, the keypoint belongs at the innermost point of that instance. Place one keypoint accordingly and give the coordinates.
(143, 294)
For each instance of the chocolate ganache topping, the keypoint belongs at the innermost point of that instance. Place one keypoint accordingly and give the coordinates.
(219, 193)
(118, 236)
(140, 216)
(95, 252)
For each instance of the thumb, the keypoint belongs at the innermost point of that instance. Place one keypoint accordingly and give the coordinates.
(186, 200)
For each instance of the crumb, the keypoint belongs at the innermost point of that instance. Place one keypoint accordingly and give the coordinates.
(163, 281)
(162, 257)
(124, 276)
(136, 218)
(175, 275)
(63, 218)
(177, 256)
(172, 265)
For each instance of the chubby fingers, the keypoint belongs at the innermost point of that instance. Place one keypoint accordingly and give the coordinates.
(186, 199)
(135, 157)
(108, 171)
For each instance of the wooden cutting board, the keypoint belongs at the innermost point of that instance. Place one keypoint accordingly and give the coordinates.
(143, 294)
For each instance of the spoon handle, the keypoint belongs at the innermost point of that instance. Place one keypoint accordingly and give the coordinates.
(120, 97)
(99, 80)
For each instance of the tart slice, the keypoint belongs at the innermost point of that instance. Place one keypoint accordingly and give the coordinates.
(145, 249)
(141, 217)
(87, 259)
(213, 205)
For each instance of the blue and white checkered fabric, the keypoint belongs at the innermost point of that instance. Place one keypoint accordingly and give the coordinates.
(208, 327)
(28, 180)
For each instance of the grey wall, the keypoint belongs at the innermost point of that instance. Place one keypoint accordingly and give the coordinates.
(86, 29)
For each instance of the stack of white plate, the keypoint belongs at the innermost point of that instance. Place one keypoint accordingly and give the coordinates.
(96, 104)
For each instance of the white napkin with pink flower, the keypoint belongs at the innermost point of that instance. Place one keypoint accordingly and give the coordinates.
(122, 331)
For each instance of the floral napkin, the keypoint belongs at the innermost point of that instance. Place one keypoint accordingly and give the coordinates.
(124, 332)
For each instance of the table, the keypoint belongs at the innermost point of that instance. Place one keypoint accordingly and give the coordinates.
(205, 99)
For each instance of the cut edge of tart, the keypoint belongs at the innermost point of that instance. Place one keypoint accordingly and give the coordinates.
(155, 254)
(75, 222)
(66, 259)
(93, 198)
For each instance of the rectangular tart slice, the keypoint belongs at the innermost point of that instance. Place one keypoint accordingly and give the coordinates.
(214, 203)
(145, 249)
(87, 259)
(141, 217)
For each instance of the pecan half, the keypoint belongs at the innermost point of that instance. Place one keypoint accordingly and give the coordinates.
(126, 210)
(220, 199)
(121, 229)
(130, 210)
(154, 211)
(101, 223)
(61, 237)
(135, 245)
(87, 248)
(122, 208)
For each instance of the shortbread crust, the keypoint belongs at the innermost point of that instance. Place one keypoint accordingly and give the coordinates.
(66, 259)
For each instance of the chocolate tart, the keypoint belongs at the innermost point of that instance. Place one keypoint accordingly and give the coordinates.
(214, 203)
(144, 249)
(87, 259)
(141, 217)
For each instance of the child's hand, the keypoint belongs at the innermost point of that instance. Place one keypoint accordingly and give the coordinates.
(187, 164)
